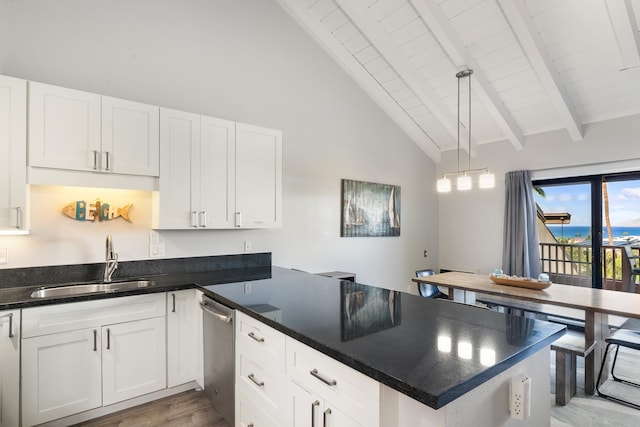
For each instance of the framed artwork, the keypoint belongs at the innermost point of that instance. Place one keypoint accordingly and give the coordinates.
(370, 209)
(367, 310)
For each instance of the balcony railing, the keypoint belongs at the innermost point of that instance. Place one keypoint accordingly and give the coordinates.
(571, 264)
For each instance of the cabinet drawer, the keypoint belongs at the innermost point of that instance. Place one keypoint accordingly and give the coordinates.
(265, 386)
(344, 388)
(260, 339)
(90, 314)
(248, 414)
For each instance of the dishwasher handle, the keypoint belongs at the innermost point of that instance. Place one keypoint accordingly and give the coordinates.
(222, 316)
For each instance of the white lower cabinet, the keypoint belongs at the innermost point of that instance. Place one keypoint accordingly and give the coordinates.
(184, 337)
(118, 353)
(60, 375)
(133, 359)
(9, 368)
(261, 385)
(328, 393)
(280, 381)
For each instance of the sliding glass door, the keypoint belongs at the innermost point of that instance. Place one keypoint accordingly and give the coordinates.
(584, 224)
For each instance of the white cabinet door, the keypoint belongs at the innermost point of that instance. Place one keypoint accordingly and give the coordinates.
(134, 359)
(130, 137)
(179, 137)
(196, 172)
(249, 414)
(258, 177)
(60, 375)
(13, 155)
(184, 320)
(9, 368)
(64, 128)
(216, 173)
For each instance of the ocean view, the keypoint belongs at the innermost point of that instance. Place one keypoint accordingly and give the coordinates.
(571, 231)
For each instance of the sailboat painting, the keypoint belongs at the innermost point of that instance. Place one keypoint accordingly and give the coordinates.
(370, 209)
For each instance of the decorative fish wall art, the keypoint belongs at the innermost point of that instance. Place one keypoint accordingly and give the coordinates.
(96, 211)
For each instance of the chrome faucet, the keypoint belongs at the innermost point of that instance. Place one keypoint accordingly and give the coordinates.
(111, 260)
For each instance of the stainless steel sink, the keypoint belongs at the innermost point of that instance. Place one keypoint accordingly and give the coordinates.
(90, 288)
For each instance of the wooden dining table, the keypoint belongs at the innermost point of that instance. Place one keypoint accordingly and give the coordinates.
(597, 305)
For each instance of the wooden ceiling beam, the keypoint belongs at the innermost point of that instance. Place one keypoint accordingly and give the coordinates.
(522, 25)
(301, 14)
(443, 31)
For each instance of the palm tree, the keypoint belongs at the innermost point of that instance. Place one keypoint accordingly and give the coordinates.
(605, 198)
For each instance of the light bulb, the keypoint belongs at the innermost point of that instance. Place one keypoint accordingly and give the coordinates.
(487, 180)
(443, 185)
(463, 183)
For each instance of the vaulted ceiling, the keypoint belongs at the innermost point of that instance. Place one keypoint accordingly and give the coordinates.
(538, 65)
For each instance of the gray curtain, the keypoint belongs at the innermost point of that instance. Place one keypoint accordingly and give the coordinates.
(520, 253)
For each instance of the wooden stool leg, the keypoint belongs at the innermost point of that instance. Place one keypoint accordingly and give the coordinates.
(565, 377)
(574, 373)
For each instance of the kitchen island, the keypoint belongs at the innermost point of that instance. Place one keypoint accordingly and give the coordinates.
(438, 362)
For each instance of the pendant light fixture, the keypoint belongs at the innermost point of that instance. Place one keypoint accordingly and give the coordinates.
(464, 181)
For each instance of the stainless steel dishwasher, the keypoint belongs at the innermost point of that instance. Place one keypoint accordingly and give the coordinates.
(219, 357)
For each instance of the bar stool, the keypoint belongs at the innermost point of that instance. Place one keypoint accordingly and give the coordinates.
(628, 338)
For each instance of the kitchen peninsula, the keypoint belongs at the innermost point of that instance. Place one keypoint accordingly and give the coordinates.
(432, 362)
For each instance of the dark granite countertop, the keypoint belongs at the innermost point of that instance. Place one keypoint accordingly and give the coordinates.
(432, 350)
(406, 342)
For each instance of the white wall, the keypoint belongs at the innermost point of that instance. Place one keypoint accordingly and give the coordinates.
(243, 60)
(471, 224)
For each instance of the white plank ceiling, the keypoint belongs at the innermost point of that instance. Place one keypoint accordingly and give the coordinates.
(538, 65)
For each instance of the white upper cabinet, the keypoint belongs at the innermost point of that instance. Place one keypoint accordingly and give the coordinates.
(196, 172)
(13, 155)
(130, 137)
(64, 128)
(76, 130)
(258, 177)
(216, 171)
(215, 174)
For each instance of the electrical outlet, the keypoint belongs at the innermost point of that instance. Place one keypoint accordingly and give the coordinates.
(247, 288)
(247, 245)
(156, 249)
(426, 253)
(4, 256)
(520, 397)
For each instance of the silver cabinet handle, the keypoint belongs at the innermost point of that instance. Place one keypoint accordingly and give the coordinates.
(250, 425)
(108, 163)
(173, 310)
(95, 340)
(313, 412)
(95, 160)
(255, 380)
(325, 418)
(255, 337)
(238, 219)
(19, 217)
(203, 219)
(194, 218)
(329, 382)
(10, 317)
(221, 316)
(108, 339)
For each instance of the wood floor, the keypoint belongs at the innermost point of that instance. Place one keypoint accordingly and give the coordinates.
(188, 409)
